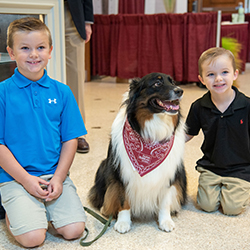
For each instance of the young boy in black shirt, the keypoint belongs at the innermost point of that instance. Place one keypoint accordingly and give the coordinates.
(223, 114)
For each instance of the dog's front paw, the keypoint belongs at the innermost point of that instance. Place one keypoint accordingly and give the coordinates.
(123, 223)
(167, 225)
(122, 226)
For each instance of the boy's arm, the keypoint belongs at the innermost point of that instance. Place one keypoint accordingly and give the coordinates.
(55, 186)
(31, 183)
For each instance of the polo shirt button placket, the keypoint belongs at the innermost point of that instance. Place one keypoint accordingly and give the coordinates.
(35, 94)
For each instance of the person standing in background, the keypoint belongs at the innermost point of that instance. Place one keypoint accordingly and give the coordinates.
(78, 19)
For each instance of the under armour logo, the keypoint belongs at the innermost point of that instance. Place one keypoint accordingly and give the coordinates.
(50, 101)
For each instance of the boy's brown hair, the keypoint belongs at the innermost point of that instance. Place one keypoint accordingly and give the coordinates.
(213, 53)
(26, 24)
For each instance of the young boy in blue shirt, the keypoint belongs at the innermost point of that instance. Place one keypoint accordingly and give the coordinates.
(39, 125)
(223, 114)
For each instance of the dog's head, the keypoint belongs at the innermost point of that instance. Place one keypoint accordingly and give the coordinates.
(153, 94)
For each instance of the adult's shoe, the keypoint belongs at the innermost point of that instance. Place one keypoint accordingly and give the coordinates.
(83, 146)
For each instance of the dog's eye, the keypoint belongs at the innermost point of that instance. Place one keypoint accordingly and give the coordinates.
(157, 84)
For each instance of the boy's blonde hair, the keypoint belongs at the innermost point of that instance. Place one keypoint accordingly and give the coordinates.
(26, 24)
(212, 53)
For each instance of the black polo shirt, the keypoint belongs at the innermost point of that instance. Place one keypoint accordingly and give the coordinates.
(226, 145)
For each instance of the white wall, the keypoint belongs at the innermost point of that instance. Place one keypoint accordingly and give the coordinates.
(157, 6)
(181, 6)
(113, 6)
(97, 6)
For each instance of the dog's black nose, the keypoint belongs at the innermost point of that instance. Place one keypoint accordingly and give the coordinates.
(178, 91)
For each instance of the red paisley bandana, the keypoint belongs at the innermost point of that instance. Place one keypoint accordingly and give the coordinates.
(144, 156)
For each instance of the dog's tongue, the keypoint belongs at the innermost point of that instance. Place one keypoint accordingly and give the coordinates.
(169, 105)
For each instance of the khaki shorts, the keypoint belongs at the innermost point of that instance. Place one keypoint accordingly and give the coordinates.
(232, 194)
(27, 213)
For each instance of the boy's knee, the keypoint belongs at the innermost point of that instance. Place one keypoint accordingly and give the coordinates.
(207, 205)
(234, 196)
(72, 231)
(232, 209)
(32, 239)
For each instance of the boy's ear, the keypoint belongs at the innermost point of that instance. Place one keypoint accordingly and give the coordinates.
(236, 73)
(201, 80)
(11, 53)
(50, 50)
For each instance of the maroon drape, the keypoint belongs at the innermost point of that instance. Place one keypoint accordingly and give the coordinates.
(131, 6)
(161, 37)
(240, 32)
(150, 43)
(200, 35)
(131, 46)
(226, 17)
(247, 19)
(101, 45)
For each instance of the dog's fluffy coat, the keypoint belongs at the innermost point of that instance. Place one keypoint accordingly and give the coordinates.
(152, 110)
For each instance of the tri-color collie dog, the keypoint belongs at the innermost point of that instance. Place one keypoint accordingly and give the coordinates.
(143, 173)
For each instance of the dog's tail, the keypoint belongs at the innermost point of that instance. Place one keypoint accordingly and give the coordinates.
(97, 192)
(181, 184)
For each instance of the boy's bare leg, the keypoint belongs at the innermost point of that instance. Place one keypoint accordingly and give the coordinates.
(71, 231)
(31, 239)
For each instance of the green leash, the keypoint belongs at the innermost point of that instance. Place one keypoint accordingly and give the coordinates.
(102, 220)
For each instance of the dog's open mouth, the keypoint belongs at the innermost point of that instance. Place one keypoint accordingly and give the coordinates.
(169, 106)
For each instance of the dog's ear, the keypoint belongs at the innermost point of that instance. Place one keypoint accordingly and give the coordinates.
(134, 91)
(134, 83)
(171, 80)
(133, 87)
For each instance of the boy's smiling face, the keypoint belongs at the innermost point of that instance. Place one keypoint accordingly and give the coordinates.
(218, 75)
(31, 51)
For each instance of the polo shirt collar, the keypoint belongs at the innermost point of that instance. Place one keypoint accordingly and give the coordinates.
(21, 81)
(238, 102)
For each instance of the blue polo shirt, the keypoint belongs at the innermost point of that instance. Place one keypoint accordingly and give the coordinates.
(35, 119)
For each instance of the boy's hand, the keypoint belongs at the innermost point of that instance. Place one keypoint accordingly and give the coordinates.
(54, 188)
(34, 185)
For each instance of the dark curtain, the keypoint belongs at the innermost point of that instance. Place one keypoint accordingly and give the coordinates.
(101, 45)
(226, 17)
(128, 52)
(247, 19)
(161, 37)
(240, 32)
(200, 29)
(150, 43)
(129, 46)
(131, 6)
